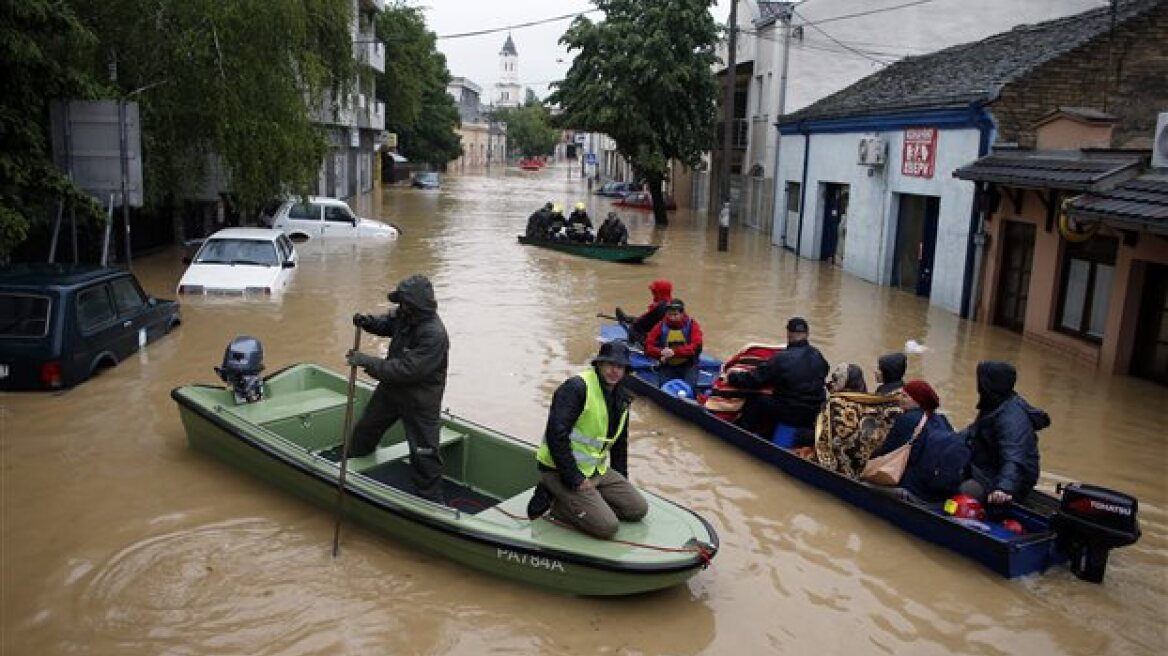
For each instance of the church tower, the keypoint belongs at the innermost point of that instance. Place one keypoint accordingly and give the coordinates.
(508, 91)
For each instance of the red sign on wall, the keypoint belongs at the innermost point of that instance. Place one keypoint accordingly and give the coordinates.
(919, 157)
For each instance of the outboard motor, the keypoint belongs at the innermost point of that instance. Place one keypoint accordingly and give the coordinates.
(242, 363)
(1090, 522)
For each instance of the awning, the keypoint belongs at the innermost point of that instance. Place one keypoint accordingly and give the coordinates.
(1070, 170)
(1140, 202)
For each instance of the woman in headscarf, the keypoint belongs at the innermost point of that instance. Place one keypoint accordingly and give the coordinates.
(938, 457)
(847, 377)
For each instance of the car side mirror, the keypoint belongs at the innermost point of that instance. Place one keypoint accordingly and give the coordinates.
(289, 264)
(186, 259)
(356, 220)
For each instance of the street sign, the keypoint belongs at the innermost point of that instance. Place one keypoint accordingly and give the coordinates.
(581, 138)
(590, 159)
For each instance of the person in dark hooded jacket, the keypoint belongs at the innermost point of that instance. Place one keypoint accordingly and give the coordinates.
(411, 380)
(639, 327)
(1003, 438)
(890, 369)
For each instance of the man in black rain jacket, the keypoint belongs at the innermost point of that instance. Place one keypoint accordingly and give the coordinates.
(1003, 438)
(411, 380)
(797, 375)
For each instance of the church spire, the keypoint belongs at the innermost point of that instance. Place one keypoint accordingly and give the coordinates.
(509, 47)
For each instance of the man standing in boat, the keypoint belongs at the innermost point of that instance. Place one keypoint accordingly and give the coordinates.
(583, 459)
(411, 380)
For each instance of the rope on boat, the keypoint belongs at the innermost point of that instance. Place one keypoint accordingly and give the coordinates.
(703, 551)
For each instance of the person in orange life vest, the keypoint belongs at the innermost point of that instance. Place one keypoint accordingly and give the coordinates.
(676, 343)
(639, 327)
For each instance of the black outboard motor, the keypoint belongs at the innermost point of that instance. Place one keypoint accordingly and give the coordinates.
(1090, 522)
(242, 363)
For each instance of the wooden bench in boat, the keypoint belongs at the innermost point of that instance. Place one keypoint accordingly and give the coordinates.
(384, 454)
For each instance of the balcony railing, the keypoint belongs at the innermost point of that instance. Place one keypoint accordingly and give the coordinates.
(377, 116)
(369, 52)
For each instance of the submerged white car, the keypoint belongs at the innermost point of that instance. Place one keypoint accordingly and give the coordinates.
(324, 217)
(240, 261)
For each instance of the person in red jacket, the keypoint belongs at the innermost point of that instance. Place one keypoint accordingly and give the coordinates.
(638, 327)
(675, 342)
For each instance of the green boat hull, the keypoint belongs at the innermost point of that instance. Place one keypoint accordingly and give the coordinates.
(280, 440)
(628, 253)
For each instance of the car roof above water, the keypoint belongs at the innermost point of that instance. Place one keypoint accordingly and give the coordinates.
(265, 234)
(42, 275)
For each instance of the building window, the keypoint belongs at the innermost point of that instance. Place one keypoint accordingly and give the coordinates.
(1085, 291)
(793, 196)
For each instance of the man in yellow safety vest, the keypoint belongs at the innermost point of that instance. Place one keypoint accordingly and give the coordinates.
(583, 459)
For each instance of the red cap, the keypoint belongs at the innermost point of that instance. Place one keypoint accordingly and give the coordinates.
(923, 393)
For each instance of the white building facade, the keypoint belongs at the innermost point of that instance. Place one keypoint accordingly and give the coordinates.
(890, 215)
(356, 125)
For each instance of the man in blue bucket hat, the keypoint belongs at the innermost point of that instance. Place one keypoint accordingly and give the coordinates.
(583, 459)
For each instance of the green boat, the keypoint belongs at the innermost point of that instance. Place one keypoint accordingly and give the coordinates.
(285, 438)
(628, 253)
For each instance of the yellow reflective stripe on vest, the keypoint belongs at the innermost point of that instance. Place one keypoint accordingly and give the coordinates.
(590, 444)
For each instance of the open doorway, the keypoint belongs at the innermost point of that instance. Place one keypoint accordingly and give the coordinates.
(835, 212)
(916, 243)
(1150, 352)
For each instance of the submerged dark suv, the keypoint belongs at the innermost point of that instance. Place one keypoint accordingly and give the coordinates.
(62, 323)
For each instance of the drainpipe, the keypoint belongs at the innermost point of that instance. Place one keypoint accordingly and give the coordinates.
(803, 190)
(778, 212)
(975, 247)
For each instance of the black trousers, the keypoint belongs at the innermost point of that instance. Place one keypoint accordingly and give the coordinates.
(422, 424)
(761, 414)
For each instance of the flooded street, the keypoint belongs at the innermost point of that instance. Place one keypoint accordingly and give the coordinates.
(119, 539)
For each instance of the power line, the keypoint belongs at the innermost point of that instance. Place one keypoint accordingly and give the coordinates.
(508, 28)
(837, 41)
(867, 13)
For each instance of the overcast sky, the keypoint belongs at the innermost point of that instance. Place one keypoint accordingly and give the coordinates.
(933, 24)
(477, 57)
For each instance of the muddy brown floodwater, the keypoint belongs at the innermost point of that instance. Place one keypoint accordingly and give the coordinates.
(118, 539)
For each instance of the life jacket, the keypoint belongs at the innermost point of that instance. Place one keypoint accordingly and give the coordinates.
(671, 337)
(590, 441)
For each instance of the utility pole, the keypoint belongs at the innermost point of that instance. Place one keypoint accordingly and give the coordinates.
(728, 127)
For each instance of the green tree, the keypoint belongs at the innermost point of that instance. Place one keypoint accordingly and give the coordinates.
(42, 50)
(243, 79)
(413, 87)
(529, 129)
(643, 77)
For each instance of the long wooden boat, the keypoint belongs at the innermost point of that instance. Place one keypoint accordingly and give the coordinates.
(286, 439)
(628, 253)
(989, 543)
